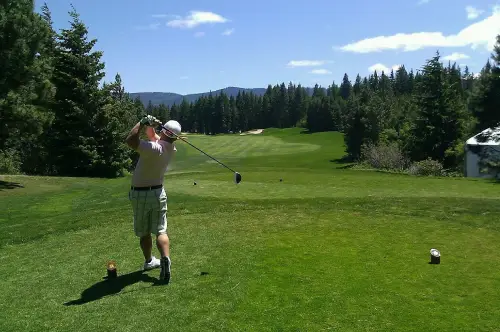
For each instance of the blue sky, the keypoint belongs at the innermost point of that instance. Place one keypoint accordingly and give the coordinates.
(197, 46)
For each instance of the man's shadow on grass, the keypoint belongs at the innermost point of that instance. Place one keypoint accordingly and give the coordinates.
(110, 287)
(9, 185)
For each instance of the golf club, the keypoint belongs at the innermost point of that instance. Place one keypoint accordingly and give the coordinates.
(237, 176)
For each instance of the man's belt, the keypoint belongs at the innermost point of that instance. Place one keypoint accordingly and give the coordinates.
(146, 188)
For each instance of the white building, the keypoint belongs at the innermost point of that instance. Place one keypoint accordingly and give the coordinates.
(473, 157)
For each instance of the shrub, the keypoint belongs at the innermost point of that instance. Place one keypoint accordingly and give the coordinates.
(389, 135)
(385, 156)
(454, 156)
(302, 123)
(10, 162)
(427, 167)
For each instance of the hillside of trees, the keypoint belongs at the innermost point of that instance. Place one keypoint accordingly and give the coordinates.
(169, 98)
(56, 118)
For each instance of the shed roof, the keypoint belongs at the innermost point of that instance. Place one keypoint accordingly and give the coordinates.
(493, 140)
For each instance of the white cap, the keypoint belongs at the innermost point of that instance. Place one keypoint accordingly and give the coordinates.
(173, 126)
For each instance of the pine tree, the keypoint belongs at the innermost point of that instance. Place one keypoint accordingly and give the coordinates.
(267, 106)
(235, 114)
(164, 113)
(283, 107)
(485, 102)
(392, 79)
(354, 127)
(384, 86)
(78, 103)
(139, 107)
(150, 108)
(454, 78)
(345, 88)
(439, 125)
(374, 81)
(174, 112)
(411, 81)
(467, 82)
(402, 81)
(217, 115)
(292, 107)
(313, 122)
(185, 110)
(356, 89)
(114, 117)
(298, 105)
(25, 87)
(226, 113)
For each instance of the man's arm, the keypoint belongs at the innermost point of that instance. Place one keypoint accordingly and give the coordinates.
(152, 135)
(132, 139)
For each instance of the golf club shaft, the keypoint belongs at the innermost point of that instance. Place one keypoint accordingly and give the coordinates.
(209, 156)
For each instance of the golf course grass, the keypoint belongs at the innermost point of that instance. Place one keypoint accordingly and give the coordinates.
(328, 248)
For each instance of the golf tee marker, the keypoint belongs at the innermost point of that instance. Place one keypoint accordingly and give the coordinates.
(111, 269)
(435, 256)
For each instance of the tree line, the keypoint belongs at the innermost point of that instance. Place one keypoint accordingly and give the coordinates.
(58, 119)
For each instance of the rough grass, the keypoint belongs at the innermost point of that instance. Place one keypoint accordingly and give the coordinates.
(326, 249)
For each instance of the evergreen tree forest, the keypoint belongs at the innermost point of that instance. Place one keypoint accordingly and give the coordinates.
(58, 117)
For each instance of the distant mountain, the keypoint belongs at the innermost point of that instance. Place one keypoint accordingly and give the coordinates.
(157, 98)
(169, 98)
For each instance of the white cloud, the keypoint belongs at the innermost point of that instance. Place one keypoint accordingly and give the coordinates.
(320, 72)
(421, 2)
(199, 34)
(305, 63)
(183, 77)
(482, 33)
(473, 13)
(228, 32)
(456, 56)
(379, 67)
(196, 18)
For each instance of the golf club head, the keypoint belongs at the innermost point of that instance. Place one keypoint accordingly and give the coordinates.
(237, 177)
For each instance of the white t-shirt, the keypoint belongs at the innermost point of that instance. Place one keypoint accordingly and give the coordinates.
(153, 161)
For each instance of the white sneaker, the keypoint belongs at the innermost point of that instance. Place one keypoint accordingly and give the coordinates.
(155, 263)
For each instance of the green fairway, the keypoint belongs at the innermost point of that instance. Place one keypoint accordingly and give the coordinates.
(326, 249)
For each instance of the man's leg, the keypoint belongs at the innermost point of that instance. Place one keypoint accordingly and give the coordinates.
(146, 242)
(163, 244)
(162, 240)
(150, 262)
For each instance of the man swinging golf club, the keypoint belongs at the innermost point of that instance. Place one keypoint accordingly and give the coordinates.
(147, 194)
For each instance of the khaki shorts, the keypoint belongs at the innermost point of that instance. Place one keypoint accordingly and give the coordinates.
(150, 211)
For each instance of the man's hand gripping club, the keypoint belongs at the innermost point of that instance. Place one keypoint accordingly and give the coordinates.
(150, 121)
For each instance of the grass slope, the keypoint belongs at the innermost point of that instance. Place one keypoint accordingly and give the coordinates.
(326, 249)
